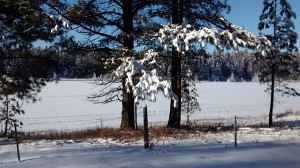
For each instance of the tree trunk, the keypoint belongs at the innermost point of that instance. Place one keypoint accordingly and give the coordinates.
(181, 4)
(128, 25)
(272, 96)
(175, 110)
(127, 120)
(273, 69)
(7, 118)
(188, 106)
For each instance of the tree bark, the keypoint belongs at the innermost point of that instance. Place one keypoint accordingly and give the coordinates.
(127, 120)
(273, 69)
(272, 96)
(128, 24)
(175, 110)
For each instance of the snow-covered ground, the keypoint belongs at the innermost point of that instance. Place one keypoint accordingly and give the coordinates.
(64, 105)
(256, 149)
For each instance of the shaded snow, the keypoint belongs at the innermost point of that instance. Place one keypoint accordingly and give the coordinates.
(264, 149)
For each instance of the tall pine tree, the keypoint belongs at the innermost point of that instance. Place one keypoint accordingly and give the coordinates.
(277, 16)
(113, 26)
(198, 13)
(24, 69)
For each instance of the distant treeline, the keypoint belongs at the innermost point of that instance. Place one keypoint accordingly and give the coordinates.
(217, 66)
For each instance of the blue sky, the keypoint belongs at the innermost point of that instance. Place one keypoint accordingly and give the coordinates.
(245, 13)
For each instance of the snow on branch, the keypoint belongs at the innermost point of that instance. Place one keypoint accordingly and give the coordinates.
(60, 22)
(142, 78)
(180, 36)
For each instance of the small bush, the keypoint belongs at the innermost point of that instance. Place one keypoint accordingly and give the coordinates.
(285, 114)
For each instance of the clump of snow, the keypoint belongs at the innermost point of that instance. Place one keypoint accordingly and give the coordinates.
(61, 22)
(55, 29)
(142, 78)
(180, 36)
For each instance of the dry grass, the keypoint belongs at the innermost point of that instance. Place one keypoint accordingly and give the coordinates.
(155, 131)
(82, 134)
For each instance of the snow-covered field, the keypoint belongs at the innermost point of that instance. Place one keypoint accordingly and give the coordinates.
(63, 106)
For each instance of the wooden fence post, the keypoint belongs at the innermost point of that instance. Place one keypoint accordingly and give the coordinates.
(235, 132)
(146, 131)
(17, 142)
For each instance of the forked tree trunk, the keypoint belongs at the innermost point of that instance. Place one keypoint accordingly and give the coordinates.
(175, 110)
(127, 120)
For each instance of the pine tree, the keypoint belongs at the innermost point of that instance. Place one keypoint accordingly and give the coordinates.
(113, 27)
(25, 69)
(197, 13)
(189, 93)
(10, 107)
(277, 16)
(24, 22)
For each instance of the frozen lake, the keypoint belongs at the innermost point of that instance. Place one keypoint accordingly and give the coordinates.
(64, 106)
